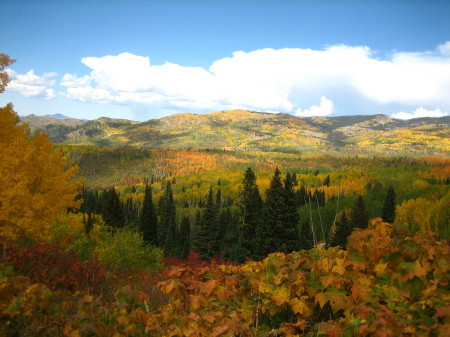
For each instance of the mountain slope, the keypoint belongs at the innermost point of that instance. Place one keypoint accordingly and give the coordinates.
(245, 130)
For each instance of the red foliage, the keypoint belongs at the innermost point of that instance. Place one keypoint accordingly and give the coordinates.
(56, 268)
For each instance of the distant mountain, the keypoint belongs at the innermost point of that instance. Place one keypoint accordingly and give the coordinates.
(246, 130)
(59, 116)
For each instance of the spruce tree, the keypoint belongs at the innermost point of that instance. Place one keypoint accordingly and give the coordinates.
(306, 236)
(184, 239)
(326, 182)
(359, 214)
(343, 230)
(251, 205)
(113, 214)
(289, 232)
(207, 242)
(148, 220)
(301, 196)
(167, 223)
(270, 236)
(389, 206)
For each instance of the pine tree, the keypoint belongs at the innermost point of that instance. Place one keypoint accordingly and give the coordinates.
(359, 214)
(251, 205)
(306, 236)
(326, 182)
(270, 235)
(184, 239)
(207, 242)
(167, 223)
(301, 196)
(289, 232)
(113, 214)
(148, 220)
(389, 206)
(343, 230)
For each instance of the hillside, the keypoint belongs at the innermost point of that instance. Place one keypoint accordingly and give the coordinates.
(245, 130)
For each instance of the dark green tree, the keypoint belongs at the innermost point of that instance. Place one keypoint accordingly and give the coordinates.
(289, 232)
(207, 242)
(342, 232)
(148, 220)
(301, 196)
(184, 245)
(269, 234)
(389, 206)
(359, 214)
(251, 205)
(306, 236)
(326, 182)
(113, 214)
(167, 224)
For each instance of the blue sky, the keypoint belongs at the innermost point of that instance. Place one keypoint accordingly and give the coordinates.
(147, 59)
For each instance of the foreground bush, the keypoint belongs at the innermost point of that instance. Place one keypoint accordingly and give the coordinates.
(386, 284)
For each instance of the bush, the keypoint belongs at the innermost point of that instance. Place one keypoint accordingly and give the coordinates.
(125, 249)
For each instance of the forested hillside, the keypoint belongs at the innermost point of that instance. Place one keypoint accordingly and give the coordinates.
(254, 131)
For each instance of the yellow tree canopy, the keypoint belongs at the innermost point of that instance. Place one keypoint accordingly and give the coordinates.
(35, 185)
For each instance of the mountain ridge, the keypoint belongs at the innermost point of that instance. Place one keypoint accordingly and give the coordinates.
(250, 130)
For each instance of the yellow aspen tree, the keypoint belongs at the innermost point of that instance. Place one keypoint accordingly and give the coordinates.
(35, 184)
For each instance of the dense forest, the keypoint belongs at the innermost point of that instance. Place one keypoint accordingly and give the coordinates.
(103, 241)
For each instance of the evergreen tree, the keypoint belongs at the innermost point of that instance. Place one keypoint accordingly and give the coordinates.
(251, 205)
(306, 236)
(184, 239)
(207, 242)
(301, 196)
(343, 230)
(389, 206)
(167, 224)
(359, 214)
(326, 182)
(270, 235)
(289, 232)
(148, 220)
(113, 215)
(294, 179)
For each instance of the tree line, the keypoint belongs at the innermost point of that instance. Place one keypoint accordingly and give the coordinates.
(259, 227)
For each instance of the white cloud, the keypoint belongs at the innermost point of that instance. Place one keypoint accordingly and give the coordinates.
(32, 85)
(70, 80)
(420, 112)
(269, 80)
(325, 108)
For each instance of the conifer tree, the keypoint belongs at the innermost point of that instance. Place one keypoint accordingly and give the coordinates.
(184, 239)
(289, 232)
(359, 214)
(251, 205)
(306, 236)
(301, 196)
(270, 236)
(167, 223)
(113, 214)
(389, 206)
(148, 220)
(326, 182)
(207, 242)
(343, 230)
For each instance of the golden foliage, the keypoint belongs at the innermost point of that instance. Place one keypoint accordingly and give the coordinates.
(35, 184)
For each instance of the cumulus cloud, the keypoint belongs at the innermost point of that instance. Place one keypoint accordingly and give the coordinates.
(325, 108)
(274, 80)
(32, 85)
(420, 112)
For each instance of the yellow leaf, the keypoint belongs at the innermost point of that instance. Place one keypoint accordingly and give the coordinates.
(299, 306)
(281, 295)
(380, 268)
